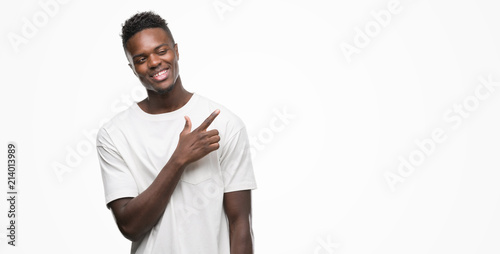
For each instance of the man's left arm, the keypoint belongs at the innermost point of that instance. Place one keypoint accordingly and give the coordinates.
(237, 205)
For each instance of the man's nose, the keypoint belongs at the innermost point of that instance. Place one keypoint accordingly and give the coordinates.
(153, 61)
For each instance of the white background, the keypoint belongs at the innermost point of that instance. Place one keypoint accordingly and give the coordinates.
(321, 171)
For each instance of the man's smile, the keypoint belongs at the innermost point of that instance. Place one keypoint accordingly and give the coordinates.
(161, 75)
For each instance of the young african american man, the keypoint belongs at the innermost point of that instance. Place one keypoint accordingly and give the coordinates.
(176, 166)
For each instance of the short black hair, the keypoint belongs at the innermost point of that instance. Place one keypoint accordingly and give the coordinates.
(141, 21)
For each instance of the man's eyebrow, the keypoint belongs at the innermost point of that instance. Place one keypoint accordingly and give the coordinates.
(142, 54)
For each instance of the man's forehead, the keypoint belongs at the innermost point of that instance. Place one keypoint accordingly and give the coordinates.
(147, 39)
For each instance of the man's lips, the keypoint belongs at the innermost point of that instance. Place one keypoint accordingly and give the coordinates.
(161, 75)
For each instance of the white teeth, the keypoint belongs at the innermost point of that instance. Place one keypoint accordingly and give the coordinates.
(160, 73)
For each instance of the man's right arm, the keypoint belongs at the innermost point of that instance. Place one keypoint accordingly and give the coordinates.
(136, 216)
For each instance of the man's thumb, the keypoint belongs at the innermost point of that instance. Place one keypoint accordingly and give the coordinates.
(187, 126)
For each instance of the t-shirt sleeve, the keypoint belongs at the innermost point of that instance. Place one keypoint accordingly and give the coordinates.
(236, 163)
(116, 176)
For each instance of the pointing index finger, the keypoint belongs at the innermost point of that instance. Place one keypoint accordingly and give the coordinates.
(209, 120)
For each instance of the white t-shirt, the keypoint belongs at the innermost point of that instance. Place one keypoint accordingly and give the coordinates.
(134, 146)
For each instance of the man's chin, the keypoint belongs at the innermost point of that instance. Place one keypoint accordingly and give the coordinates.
(162, 91)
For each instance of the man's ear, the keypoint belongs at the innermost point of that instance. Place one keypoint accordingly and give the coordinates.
(133, 70)
(176, 51)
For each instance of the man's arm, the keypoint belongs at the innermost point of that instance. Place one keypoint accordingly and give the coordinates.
(237, 205)
(136, 216)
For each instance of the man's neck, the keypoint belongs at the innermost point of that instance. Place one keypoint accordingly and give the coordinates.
(172, 100)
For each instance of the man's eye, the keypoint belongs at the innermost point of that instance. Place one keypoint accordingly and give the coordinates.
(161, 52)
(141, 60)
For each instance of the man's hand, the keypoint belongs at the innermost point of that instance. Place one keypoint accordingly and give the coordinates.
(194, 145)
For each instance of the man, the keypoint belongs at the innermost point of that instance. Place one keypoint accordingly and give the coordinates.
(171, 187)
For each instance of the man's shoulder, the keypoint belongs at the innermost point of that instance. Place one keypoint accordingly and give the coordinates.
(114, 123)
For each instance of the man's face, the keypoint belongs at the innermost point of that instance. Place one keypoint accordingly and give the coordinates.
(153, 57)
